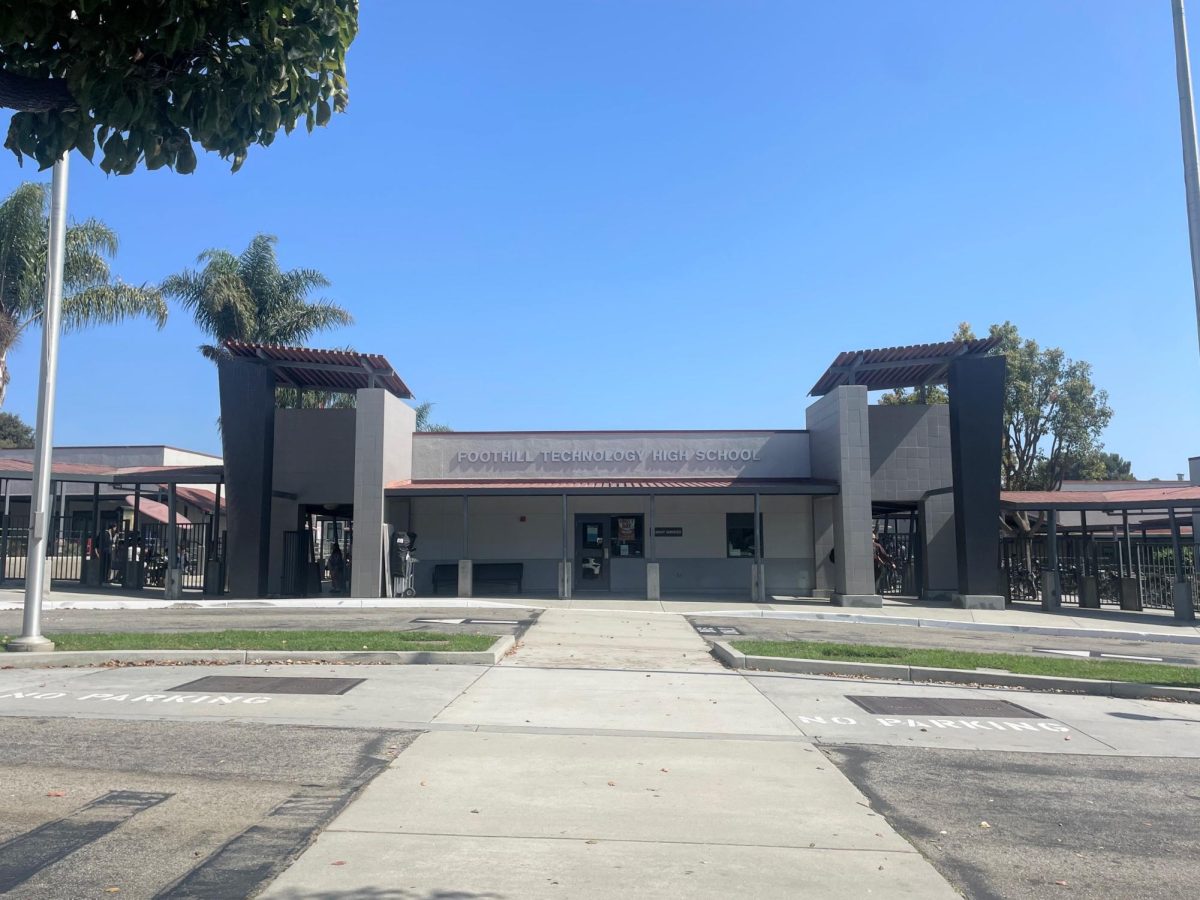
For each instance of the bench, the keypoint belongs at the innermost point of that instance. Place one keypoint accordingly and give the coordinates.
(486, 577)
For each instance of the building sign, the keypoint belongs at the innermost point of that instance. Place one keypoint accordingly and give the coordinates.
(700, 454)
(668, 531)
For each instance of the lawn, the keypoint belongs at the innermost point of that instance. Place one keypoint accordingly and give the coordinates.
(1105, 670)
(271, 640)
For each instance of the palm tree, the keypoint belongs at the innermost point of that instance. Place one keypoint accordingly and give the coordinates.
(424, 411)
(249, 298)
(91, 294)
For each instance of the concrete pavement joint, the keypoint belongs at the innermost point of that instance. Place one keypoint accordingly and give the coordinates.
(604, 840)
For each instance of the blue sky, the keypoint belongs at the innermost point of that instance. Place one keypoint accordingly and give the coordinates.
(656, 214)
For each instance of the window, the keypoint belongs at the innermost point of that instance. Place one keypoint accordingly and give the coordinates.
(627, 537)
(739, 534)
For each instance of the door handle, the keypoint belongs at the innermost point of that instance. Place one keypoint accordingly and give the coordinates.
(606, 551)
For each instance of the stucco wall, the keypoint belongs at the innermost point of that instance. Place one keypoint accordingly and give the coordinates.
(699, 454)
(314, 454)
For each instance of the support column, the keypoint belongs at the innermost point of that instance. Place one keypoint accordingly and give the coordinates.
(1129, 582)
(4, 531)
(214, 565)
(976, 387)
(564, 565)
(653, 579)
(1181, 593)
(173, 582)
(840, 451)
(1089, 584)
(758, 580)
(1051, 585)
(465, 573)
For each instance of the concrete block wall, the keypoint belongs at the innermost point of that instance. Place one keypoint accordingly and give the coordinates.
(839, 430)
(910, 450)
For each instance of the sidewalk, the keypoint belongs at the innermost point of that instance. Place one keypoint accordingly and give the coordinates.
(656, 775)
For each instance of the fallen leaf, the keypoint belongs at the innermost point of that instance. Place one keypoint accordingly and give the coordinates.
(984, 825)
(338, 862)
(112, 890)
(474, 810)
(664, 770)
(1061, 883)
(612, 784)
(56, 793)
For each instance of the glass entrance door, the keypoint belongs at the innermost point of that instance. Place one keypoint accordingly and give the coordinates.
(591, 553)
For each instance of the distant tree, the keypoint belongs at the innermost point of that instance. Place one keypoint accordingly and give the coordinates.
(424, 410)
(1054, 414)
(142, 80)
(1100, 467)
(14, 433)
(91, 293)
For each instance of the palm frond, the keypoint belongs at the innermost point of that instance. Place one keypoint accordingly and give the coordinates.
(107, 304)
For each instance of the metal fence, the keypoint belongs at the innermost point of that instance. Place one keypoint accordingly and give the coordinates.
(67, 551)
(1149, 561)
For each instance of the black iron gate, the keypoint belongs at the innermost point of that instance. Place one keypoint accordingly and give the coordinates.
(898, 567)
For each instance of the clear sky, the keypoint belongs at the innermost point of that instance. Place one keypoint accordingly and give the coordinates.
(674, 213)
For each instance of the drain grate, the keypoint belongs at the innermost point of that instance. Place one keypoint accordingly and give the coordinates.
(955, 707)
(717, 629)
(265, 684)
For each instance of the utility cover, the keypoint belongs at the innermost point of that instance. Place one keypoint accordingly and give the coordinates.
(266, 684)
(951, 707)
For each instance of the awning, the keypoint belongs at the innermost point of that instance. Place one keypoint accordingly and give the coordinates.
(342, 371)
(152, 509)
(1179, 497)
(886, 368)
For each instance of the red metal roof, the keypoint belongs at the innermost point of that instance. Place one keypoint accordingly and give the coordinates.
(608, 484)
(343, 371)
(897, 367)
(1143, 498)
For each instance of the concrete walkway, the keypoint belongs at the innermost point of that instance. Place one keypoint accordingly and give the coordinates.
(634, 767)
(564, 639)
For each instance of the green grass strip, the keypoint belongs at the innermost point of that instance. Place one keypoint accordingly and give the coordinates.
(1105, 670)
(271, 640)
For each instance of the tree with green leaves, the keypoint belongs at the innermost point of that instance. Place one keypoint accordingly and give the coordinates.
(249, 298)
(1054, 415)
(1100, 467)
(14, 433)
(142, 81)
(91, 293)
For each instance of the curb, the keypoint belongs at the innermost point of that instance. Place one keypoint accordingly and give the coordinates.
(1128, 690)
(1046, 630)
(68, 658)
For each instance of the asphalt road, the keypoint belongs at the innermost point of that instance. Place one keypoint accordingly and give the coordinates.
(942, 638)
(482, 620)
(1057, 825)
(170, 809)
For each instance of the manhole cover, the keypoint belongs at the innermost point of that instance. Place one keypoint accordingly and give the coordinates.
(717, 629)
(956, 707)
(265, 684)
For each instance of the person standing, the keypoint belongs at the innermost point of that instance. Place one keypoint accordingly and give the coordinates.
(337, 569)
